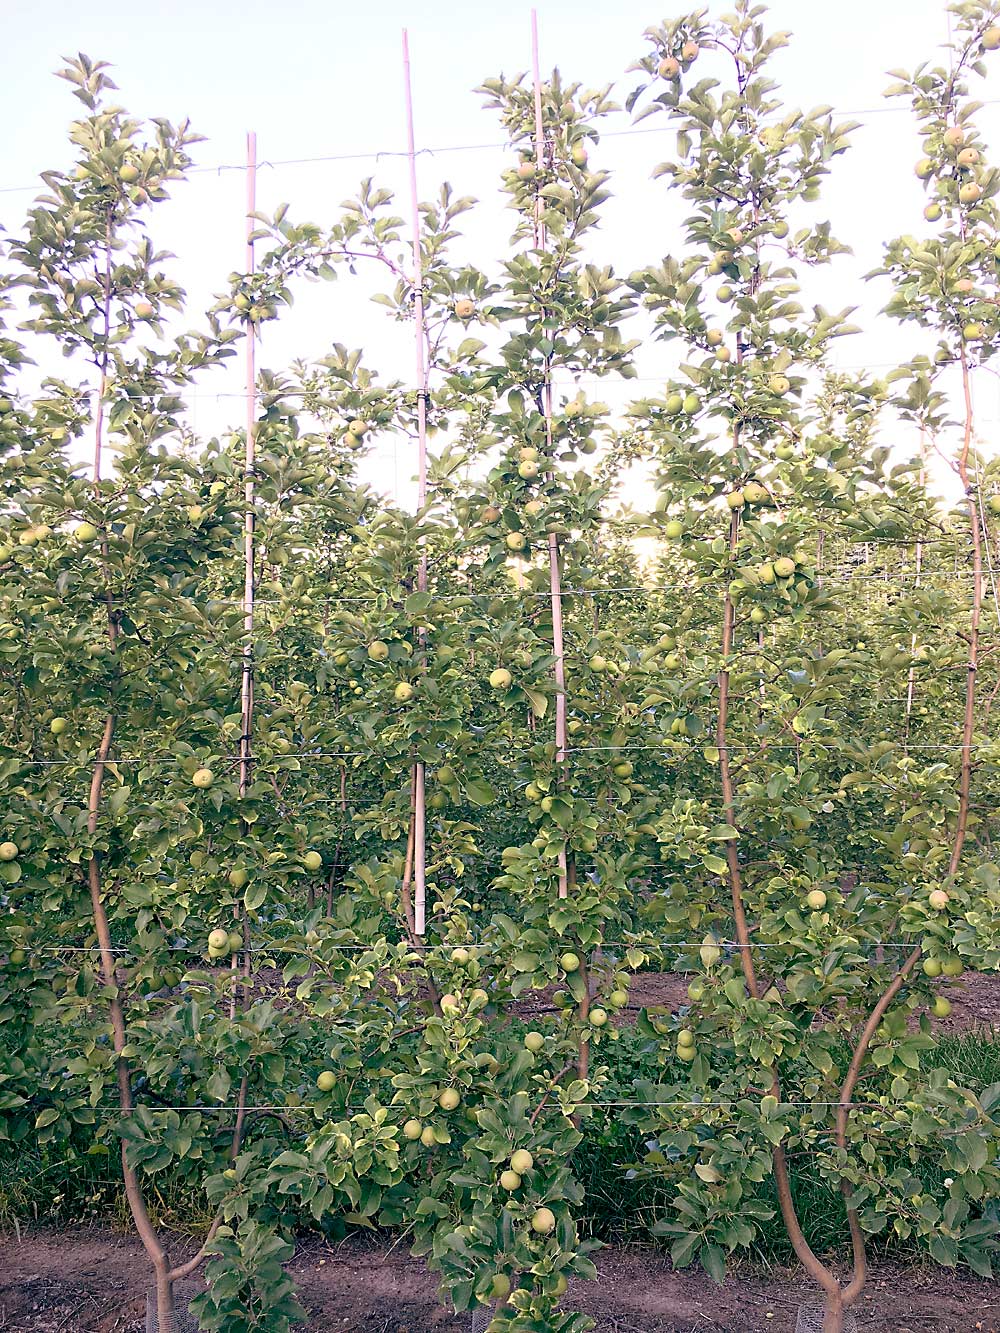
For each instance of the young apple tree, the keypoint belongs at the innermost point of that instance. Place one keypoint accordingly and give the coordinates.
(803, 1033)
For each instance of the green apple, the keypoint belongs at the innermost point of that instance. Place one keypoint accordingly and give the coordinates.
(569, 962)
(427, 1137)
(938, 899)
(378, 651)
(598, 1017)
(993, 504)
(578, 154)
(526, 169)
(779, 385)
(692, 404)
(534, 1041)
(500, 1285)
(403, 692)
(144, 310)
(685, 1037)
(784, 567)
(816, 900)
(709, 953)
(8, 851)
(735, 499)
(991, 39)
(327, 1081)
(85, 532)
(942, 1007)
(500, 679)
(924, 168)
(521, 1161)
(128, 173)
(58, 725)
(234, 942)
(933, 212)
(510, 1180)
(238, 877)
(970, 192)
(669, 67)
(689, 52)
(203, 777)
(623, 769)
(218, 941)
(516, 541)
(450, 1099)
(543, 1221)
(412, 1130)
(464, 308)
(673, 404)
(931, 967)
(527, 470)
(358, 427)
(673, 528)
(618, 999)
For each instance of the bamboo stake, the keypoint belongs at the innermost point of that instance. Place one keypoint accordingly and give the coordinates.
(420, 337)
(246, 689)
(249, 526)
(555, 578)
(911, 677)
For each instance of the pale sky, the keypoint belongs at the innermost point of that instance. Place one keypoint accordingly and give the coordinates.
(316, 80)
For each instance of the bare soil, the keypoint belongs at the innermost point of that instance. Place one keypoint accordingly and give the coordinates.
(975, 1000)
(91, 1281)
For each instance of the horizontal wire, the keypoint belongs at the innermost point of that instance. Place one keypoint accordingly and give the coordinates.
(551, 1105)
(435, 948)
(518, 594)
(707, 741)
(374, 154)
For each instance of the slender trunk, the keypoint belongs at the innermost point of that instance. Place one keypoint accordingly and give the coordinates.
(968, 724)
(809, 1260)
(133, 1190)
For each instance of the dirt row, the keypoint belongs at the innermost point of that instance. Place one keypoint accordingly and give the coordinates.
(94, 1282)
(975, 1000)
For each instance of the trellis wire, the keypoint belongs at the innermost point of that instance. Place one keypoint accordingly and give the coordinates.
(452, 944)
(804, 744)
(726, 1104)
(372, 154)
(499, 594)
